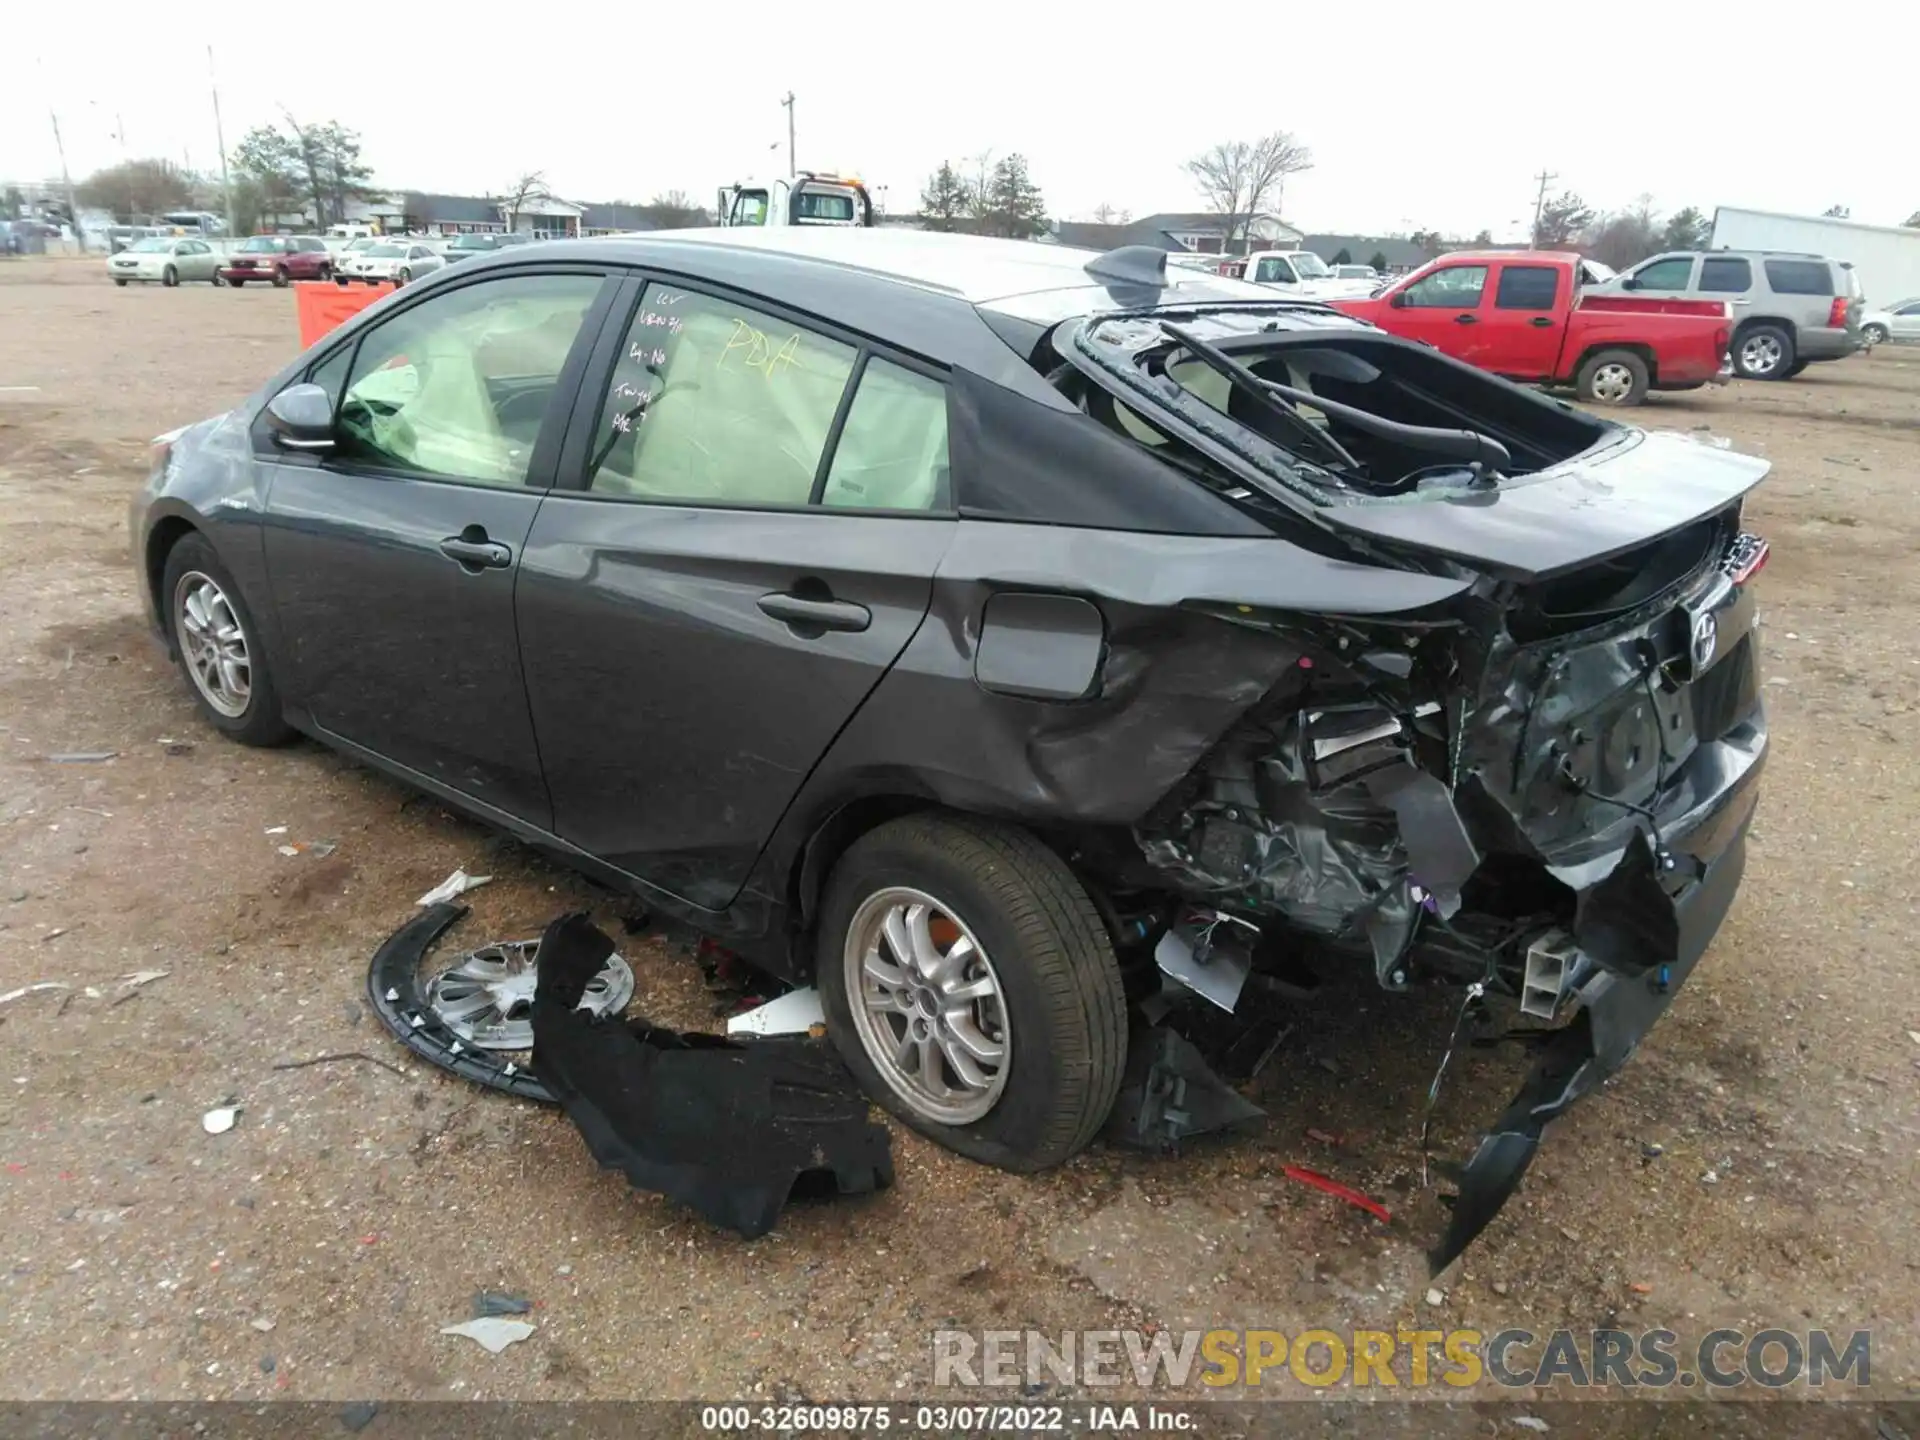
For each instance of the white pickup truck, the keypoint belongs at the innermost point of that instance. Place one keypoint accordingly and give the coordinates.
(1302, 273)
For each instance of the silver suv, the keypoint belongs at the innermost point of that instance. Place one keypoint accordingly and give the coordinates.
(1789, 310)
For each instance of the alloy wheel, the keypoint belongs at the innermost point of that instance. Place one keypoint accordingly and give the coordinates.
(1761, 354)
(1612, 384)
(927, 1005)
(213, 643)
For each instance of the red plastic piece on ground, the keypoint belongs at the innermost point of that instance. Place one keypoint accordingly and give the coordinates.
(1334, 1187)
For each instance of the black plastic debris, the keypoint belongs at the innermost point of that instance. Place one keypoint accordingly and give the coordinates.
(1169, 1093)
(732, 1130)
(488, 1304)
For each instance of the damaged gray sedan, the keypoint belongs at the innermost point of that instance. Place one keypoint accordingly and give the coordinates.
(978, 629)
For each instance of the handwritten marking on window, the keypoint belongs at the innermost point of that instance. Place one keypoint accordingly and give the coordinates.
(673, 323)
(668, 297)
(641, 355)
(760, 353)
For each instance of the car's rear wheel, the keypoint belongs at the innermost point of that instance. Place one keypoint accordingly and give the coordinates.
(219, 646)
(118, 281)
(215, 280)
(280, 277)
(236, 284)
(971, 986)
(1764, 352)
(403, 277)
(1613, 377)
(326, 272)
(1874, 334)
(169, 276)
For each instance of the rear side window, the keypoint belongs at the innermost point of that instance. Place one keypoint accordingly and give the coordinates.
(892, 453)
(1669, 274)
(714, 402)
(1726, 275)
(1527, 287)
(1799, 277)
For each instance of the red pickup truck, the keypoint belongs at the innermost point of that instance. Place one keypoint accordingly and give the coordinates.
(1521, 314)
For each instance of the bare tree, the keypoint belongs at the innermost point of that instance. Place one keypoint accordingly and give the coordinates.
(674, 210)
(1105, 214)
(980, 186)
(1237, 178)
(525, 191)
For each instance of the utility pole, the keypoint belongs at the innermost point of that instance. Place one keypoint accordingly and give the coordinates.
(788, 102)
(220, 139)
(1545, 178)
(66, 178)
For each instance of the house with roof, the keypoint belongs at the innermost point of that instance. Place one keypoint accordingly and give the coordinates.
(423, 212)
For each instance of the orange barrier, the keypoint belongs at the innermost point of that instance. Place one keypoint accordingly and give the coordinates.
(324, 306)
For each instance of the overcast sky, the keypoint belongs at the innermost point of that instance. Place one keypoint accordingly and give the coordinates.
(1436, 116)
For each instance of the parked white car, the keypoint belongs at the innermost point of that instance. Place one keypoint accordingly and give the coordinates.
(1896, 322)
(395, 260)
(166, 258)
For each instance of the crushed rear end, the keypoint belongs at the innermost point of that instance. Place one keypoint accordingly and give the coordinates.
(1537, 791)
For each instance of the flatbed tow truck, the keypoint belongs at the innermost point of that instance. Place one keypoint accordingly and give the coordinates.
(808, 198)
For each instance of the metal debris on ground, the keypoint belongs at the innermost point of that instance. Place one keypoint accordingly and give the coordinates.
(491, 1332)
(339, 1057)
(143, 977)
(734, 1129)
(494, 1302)
(1169, 1093)
(35, 988)
(458, 883)
(219, 1121)
(84, 757)
(795, 1013)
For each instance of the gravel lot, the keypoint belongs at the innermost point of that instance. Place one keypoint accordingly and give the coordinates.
(358, 1211)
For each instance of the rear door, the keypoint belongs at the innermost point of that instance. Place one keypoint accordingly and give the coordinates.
(758, 507)
(1522, 329)
(1803, 292)
(1904, 321)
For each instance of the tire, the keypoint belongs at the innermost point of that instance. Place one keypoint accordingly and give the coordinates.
(403, 277)
(169, 277)
(1874, 334)
(191, 567)
(326, 272)
(280, 277)
(236, 284)
(1795, 368)
(1763, 352)
(1043, 952)
(215, 280)
(1612, 377)
(118, 281)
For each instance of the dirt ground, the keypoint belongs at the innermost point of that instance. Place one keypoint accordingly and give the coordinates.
(358, 1211)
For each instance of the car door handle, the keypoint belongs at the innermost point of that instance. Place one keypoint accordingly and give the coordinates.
(804, 612)
(476, 553)
(1541, 322)
(1465, 320)
(1741, 300)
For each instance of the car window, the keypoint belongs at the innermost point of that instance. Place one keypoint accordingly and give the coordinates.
(1527, 287)
(1799, 277)
(417, 251)
(1669, 274)
(716, 401)
(1726, 275)
(458, 386)
(331, 373)
(1458, 287)
(1912, 308)
(1274, 269)
(892, 451)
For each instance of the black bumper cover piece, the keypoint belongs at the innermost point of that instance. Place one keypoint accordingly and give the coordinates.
(1649, 941)
(732, 1129)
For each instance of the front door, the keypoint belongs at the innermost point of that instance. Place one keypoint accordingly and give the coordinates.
(1442, 308)
(1520, 332)
(764, 507)
(392, 560)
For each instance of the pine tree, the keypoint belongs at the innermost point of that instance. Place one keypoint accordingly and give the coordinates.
(945, 199)
(1015, 207)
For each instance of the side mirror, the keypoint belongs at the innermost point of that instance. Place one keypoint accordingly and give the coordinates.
(1629, 284)
(300, 417)
(1398, 300)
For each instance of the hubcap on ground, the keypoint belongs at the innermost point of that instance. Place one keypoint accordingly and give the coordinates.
(213, 644)
(1760, 354)
(487, 999)
(927, 1005)
(1612, 383)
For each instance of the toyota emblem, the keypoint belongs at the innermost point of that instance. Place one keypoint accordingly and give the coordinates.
(1706, 637)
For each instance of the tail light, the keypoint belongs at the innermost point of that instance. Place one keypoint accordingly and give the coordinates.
(1745, 558)
(1837, 313)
